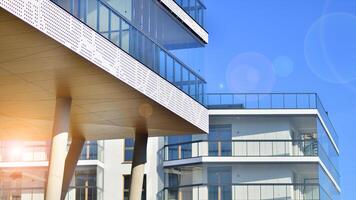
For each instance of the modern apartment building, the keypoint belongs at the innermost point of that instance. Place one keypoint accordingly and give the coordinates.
(90, 70)
(124, 65)
(259, 146)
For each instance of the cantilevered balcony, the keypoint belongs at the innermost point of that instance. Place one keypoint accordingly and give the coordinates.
(107, 21)
(241, 148)
(114, 74)
(272, 101)
(194, 8)
(265, 191)
(38, 151)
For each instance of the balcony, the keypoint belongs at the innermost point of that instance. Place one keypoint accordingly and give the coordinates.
(13, 151)
(271, 101)
(194, 8)
(84, 192)
(241, 148)
(232, 191)
(116, 28)
(39, 151)
(74, 193)
(33, 193)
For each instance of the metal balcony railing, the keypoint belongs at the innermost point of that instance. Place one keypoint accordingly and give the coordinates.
(240, 148)
(194, 8)
(108, 22)
(270, 101)
(291, 191)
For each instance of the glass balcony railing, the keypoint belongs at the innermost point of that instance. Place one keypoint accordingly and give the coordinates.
(262, 100)
(22, 193)
(241, 148)
(84, 193)
(270, 101)
(108, 22)
(20, 152)
(194, 8)
(243, 192)
(329, 164)
(74, 193)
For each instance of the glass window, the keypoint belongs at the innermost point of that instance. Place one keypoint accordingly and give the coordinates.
(219, 181)
(129, 148)
(127, 187)
(177, 150)
(89, 151)
(220, 140)
(86, 183)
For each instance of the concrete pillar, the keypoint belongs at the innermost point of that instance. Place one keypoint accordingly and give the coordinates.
(73, 155)
(138, 164)
(58, 154)
(61, 164)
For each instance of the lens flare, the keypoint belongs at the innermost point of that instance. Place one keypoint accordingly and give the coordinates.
(329, 48)
(16, 151)
(250, 72)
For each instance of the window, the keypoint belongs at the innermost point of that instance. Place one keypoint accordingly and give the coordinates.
(127, 187)
(180, 147)
(87, 183)
(220, 140)
(129, 148)
(219, 181)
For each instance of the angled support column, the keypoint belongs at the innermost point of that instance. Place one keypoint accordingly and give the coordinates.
(138, 163)
(61, 165)
(71, 162)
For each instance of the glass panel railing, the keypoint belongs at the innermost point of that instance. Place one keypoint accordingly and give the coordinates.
(22, 193)
(83, 193)
(242, 192)
(22, 152)
(241, 148)
(108, 22)
(194, 8)
(262, 100)
(329, 164)
(270, 101)
(325, 117)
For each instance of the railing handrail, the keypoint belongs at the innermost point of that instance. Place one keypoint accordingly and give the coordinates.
(243, 184)
(236, 140)
(264, 93)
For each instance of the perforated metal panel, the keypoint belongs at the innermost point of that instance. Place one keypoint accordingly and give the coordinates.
(182, 15)
(66, 29)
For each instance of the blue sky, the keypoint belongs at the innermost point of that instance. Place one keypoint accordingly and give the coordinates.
(289, 46)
